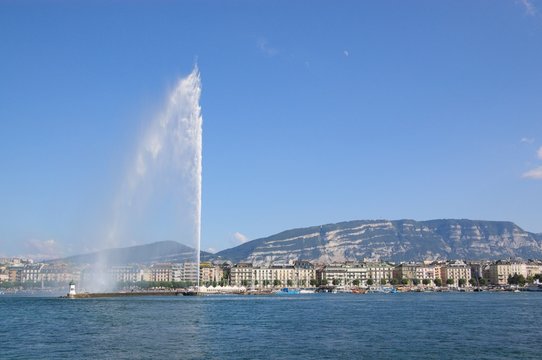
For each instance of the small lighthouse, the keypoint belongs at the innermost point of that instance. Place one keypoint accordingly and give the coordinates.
(72, 292)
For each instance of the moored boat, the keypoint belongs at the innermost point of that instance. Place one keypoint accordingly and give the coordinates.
(533, 287)
(288, 291)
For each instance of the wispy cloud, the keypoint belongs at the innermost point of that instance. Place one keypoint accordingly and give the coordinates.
(527, 140)
(346, 53)
(266, 48)
(43, 249)
(239, 238)
(530, 8)
(535, 174)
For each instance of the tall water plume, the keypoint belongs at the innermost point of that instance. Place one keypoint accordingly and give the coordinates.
(160, 198)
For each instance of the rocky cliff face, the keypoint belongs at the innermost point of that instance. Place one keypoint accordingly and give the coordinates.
(400, 240)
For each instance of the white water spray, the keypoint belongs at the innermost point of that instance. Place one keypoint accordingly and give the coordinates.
(160, 198)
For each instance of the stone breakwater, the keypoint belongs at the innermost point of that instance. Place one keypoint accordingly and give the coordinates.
(122, 294)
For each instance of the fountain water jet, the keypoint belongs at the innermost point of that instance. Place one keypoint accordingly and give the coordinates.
(160, 197)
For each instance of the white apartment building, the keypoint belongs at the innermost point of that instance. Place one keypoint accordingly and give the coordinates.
(297, 274)
(127, 273)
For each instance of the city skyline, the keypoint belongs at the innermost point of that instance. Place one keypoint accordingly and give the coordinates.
(313, 113)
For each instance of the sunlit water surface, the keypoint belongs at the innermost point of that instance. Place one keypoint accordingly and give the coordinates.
(320, 326)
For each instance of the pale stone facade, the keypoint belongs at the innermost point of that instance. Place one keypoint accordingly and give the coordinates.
(344, 274)
(533, 268)
(501, 270)
(378, 271)
(456, 270)
(297, 274)
(127, 273)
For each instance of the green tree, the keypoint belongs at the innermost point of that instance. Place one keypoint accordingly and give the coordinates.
(304, 282)
(355, 282)
(313, 282)
(276, 282)
(462, 282)
(438, 282)
(482, 282)
(404, 281)
(472, 281)
(449, 282)
(383, 281)
(370, 282)
(416, 282)
(266, 282)
(516, 280)
(394, 281)
(336, 282)
(426, 281)
(289, 283)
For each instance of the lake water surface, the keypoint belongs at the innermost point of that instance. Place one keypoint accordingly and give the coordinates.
(319, 326)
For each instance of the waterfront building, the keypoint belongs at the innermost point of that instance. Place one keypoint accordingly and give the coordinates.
(281, 275)
(407, 270)
(59, 273)
(298, 274)
(304, 273)
(502, 269)
(165, 272)
(344, 274)
(168, 272)
(414, 271)
(127, 273)
(378, 271)
(4, 277)
(210, 273)
(456, 270)
(14, 273)
(188, 272)
(241, 274)
(31, 273)
(533, 267)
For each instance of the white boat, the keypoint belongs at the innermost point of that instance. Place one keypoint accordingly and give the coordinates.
(382, 289)
(534, 287)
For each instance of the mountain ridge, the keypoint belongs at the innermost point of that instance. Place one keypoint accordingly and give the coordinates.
(160, 251)
(392, 240)
(387, 240)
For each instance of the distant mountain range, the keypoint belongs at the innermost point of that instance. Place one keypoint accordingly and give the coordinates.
(398, 240)
(162, 251)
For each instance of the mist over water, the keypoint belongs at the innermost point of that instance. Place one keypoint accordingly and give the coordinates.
(160, 196)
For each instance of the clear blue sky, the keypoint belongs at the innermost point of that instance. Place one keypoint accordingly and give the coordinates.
(314, 112)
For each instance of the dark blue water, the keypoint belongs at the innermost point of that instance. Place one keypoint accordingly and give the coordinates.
(321, 326)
